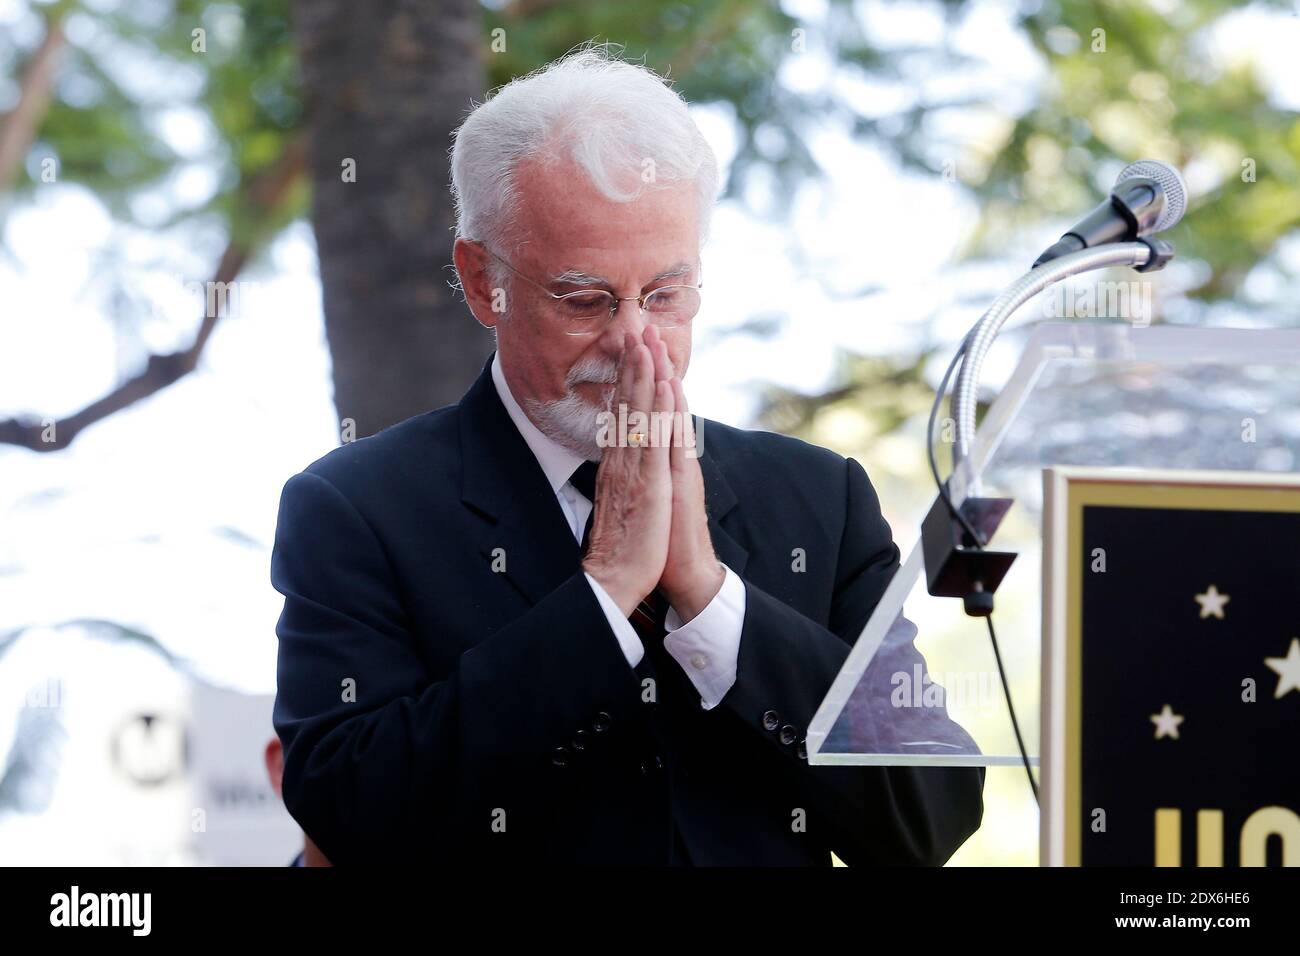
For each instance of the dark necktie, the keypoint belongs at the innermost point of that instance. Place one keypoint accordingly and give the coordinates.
(647, 617)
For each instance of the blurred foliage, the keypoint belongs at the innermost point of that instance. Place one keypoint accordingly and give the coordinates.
(128, 66)
(898, 386)
(1150, 92)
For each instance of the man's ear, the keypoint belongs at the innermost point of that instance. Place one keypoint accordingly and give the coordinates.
(273, 754)
(472, 266)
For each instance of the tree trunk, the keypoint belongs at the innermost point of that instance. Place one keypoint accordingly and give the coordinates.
(385, 83)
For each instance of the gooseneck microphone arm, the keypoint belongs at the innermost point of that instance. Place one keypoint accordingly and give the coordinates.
(1144, 255)
(1148, 197)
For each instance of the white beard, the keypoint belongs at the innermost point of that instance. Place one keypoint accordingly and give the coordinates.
(571, 421)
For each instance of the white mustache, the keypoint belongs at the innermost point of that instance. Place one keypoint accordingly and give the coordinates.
(593, 370)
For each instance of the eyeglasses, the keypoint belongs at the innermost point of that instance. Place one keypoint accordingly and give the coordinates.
(589, 310)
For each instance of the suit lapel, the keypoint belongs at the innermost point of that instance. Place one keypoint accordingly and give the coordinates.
(719, 500)
(504, 484)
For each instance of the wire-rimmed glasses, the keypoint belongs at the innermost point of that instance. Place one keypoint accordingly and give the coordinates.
(588, 310)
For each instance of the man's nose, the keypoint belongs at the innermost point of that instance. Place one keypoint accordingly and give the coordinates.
(627, 317)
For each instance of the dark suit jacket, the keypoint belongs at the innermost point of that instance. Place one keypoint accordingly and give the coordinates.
(434, 708)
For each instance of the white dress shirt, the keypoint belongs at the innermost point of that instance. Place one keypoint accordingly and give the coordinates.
(707, 646)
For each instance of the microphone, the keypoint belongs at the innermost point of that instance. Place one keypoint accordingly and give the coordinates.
(1149, 197)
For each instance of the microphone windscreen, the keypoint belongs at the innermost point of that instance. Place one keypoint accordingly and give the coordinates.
(1170, 182)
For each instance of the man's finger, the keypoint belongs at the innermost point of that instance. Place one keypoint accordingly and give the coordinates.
(614, 455)
(683, 426)
(626, 372)
(663, 413)
(643, 380)
(659, 349)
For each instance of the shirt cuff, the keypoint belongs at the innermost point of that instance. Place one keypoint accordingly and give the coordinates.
(708, 646)
(628, 639)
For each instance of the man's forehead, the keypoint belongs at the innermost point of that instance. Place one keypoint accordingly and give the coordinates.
(549, 201)
(568, 232)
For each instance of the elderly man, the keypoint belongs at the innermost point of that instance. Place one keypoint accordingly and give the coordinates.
(476, 664)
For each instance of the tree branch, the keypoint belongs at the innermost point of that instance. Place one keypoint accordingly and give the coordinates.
(262, 195)
(18, 130)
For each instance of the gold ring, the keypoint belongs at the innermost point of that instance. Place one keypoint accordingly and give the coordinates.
(636, 438)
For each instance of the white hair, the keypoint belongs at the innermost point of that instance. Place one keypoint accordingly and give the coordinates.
(614, 119)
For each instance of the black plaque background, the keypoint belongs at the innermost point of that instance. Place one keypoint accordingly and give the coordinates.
(1144, 644)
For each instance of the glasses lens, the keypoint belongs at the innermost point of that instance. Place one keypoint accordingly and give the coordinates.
(673, 304)
(580, 308)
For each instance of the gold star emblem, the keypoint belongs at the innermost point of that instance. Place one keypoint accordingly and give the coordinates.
(1287, 668)
(1212, 602)
(1166, 723)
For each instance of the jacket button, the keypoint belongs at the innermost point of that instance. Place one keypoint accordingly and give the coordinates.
(579, 741)
(771, 720)
(803, 749)
(789, 735)
(602, 722)
(560, 757)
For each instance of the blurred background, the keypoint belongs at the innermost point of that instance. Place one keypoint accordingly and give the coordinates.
(225, 246)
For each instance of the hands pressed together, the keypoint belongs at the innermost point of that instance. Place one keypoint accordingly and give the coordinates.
(650, 528)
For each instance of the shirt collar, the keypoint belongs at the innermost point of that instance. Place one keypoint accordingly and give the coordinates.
(558, 462)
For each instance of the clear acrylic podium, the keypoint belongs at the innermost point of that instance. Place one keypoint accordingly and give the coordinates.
(1083, 393)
